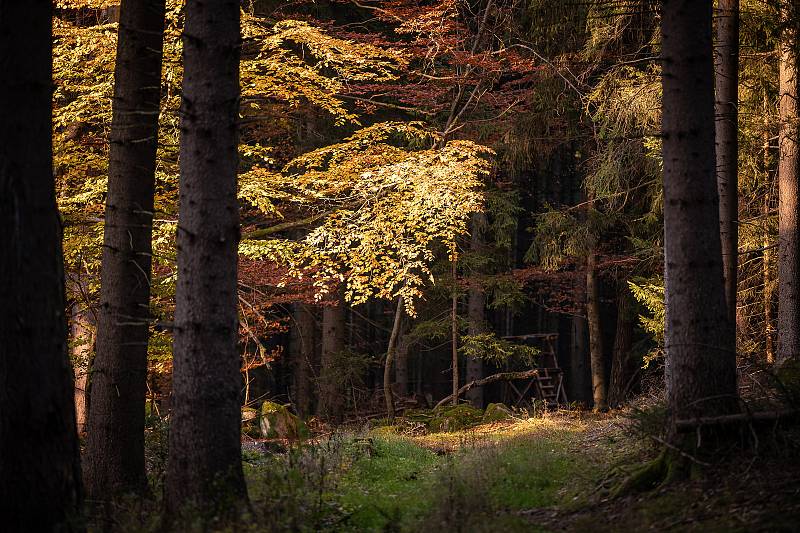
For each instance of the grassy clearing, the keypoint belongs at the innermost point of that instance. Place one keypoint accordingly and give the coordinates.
(476, 480)
(552, 472)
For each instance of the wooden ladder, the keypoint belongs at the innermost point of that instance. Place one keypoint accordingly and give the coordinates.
(549, 387)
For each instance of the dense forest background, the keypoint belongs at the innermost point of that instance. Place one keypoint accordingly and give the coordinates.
(283, 218)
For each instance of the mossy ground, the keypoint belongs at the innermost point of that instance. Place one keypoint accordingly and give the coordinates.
(550, 473)
(555, 472)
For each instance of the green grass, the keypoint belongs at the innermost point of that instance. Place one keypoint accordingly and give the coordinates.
(478, 481)
(386, 489)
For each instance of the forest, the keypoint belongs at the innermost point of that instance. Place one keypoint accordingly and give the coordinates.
(399, 265)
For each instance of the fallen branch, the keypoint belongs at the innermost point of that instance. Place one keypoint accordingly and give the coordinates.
(502, 376)
(684, 426)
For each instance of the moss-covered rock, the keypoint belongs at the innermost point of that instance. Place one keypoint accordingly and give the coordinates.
(277, 422)
(454, 418)
(250, 422)
(496, 412)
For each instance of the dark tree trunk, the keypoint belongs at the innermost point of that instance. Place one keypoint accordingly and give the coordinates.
(622, 367)
(788, 183)
(476, 308)
(595, 335)
(115, 443)
(40, 476)
(387, 368)
(699, 338)
(331, 387)
(204, 471)
(302, 343)
(726, 107)
(578, 381)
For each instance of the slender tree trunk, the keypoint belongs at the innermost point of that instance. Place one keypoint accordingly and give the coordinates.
(331, 387)
(768, 257)
(204, 472)
(454, 331)
(40, 475)
(621, 368)
(82, 335)
(699, 339)
(788, 180)
(302, 343)
(119, 373)
(595, 334)
(401, 360)
(387, 369)
(726, 107)
(476, 308)
(578, 382)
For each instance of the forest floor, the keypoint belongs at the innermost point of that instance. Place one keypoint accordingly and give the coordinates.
(553, 472)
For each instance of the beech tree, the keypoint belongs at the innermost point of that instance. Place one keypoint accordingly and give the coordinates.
(788, 189)
(115, 443)
(40, 475)
(699, 340)
(204, 471)
(726, 78)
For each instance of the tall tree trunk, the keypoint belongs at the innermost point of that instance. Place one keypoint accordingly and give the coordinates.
(699, 339)
(595, 334)
(40, 475)
(390, 352)
(401, 360)
(119, 373)
(578, 374)
(331, 387)
(622, 370)
(726, 105)
(476, 308)
(768, 256)
(788, 180)
(454, 333)
(82, 335)
(204, 471)
(302, 342)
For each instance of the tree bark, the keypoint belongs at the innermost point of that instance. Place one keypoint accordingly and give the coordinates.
(578, 382)
(699, 339)
(454, 333)
(119, 374)
(333, 330)
(621, 368)
(387, 369)
(788, 180)
(476, 308)
(40, 475)
(204, 472)
(302, 342)
(726, 105)
(401, 360)
(82, 335)
(595, 334)
(768, 256)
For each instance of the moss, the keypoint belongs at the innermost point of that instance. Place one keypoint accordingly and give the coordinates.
(667, 468)
(250, 422)
(788, 375)
(496, 412)
(455, 418)
(277, 422)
